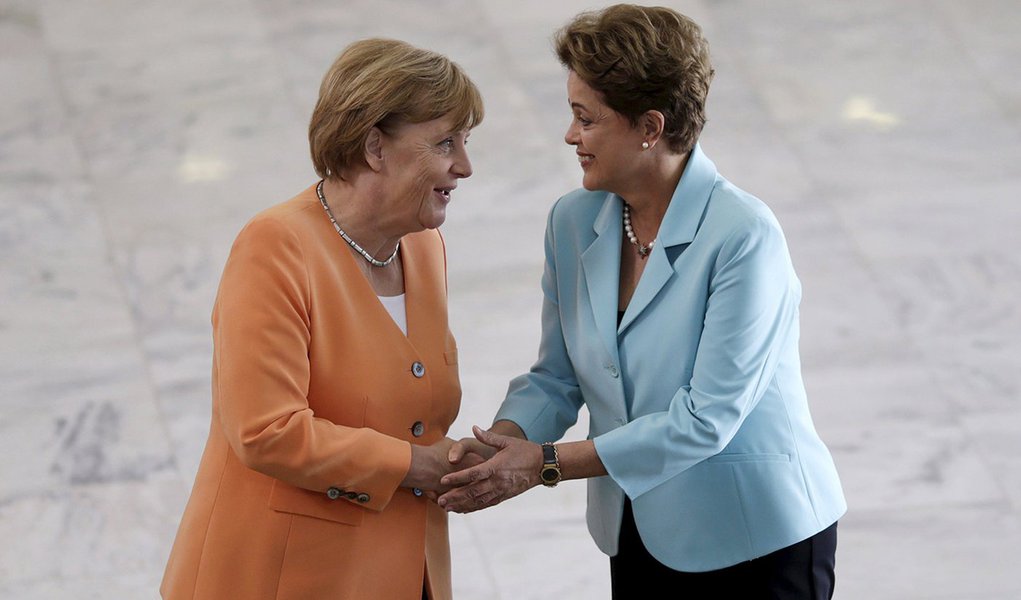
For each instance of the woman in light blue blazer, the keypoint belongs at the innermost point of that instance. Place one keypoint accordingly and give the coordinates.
(671, 312)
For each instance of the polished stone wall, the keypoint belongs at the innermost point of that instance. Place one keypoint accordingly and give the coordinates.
(137, 136)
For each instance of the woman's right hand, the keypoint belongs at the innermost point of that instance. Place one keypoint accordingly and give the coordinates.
(470, 445)
(430, 463)
(466, 447)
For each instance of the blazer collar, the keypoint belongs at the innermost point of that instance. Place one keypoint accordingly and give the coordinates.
(683, 215)
(687, 205)
(601, 260)
(424, 291)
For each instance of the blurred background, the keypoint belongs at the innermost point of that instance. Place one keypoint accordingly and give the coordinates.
(138, 136)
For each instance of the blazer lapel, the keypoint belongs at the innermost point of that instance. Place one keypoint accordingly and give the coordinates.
(423, 294)
(679, 226)
(656, 274)
(601, 265)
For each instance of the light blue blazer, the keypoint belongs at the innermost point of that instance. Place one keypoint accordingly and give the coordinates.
(696, 402)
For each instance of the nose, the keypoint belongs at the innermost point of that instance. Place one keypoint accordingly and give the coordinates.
(462, 166)
(571, 136)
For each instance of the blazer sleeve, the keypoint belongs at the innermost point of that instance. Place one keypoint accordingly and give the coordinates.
(751, 313)
(545, 402)
(261, 335)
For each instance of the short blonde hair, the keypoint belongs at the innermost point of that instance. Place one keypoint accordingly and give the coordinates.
(380, 83)
(643, 58)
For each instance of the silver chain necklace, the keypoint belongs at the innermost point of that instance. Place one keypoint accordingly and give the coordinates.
(643, 251)
(347, 238)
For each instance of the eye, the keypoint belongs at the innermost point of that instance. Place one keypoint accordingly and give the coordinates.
(447, 145)
(584, 122)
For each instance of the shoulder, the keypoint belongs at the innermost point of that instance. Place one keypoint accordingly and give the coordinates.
(284, 223)
(277, 238)
(733, 213)
(576, 211)
(425, 246)
(427, 240)
(741, 232)
(578, 204)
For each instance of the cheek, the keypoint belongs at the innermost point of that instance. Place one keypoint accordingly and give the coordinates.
(420, 195)
(424, 173)
(590, 141)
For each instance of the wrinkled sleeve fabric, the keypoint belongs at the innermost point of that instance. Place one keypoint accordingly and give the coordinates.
(545, 402)
(261, 334)
(750, 313)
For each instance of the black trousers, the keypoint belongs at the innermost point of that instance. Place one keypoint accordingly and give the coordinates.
(803, 571)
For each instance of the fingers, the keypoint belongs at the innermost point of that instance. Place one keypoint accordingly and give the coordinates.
(492, 468)
(470, 460)
(489, 438)
(470, 475)
(457, 451)
(470, 498)
(466, 447)
(470, 445)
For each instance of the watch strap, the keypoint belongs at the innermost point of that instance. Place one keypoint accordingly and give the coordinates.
(550, 473)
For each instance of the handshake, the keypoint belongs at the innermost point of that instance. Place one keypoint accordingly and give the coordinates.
(475, 472)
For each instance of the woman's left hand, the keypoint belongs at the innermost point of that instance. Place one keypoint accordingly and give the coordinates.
(513, 469)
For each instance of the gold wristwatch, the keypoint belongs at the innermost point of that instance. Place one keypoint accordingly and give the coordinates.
(550, 472)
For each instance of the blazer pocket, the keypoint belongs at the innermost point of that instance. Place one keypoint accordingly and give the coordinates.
(298, 501)
(450, 356)
(740, 458)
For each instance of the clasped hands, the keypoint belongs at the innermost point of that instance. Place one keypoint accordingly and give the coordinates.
(479, 471)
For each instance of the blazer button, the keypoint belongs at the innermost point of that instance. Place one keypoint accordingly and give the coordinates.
(416, 491)
(334, 493)
(418, 369)
(613, 371)
(363, 497)
(418, 429)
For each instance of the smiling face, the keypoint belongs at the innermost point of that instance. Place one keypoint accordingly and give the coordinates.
(607, 145)
(423, 162)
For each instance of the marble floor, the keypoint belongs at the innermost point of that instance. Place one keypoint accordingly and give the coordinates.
(137, 136)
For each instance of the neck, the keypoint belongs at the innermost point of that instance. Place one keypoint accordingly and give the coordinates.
(353, 206)
(650, 197)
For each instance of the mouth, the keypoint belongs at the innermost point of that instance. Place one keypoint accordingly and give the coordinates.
(585, 159)
(444, 193)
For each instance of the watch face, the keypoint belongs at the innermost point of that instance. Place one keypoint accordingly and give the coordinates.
(549, 474)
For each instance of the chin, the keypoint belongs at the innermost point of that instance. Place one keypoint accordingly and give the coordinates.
(591, 183)
(434, 220)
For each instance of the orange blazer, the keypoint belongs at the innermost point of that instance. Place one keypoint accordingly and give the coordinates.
(317, 398)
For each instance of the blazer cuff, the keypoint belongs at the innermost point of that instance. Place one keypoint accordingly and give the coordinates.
(391, 462)
(616, 451)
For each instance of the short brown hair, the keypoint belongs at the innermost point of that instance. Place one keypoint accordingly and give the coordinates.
(643, 58)
(378, 83)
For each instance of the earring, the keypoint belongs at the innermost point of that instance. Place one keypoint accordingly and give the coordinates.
(645, 145)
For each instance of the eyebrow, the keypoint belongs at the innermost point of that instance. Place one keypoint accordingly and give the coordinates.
(578, 105)
(450, 134)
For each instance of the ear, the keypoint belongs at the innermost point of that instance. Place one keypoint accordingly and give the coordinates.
(651, 125)
(374, 149)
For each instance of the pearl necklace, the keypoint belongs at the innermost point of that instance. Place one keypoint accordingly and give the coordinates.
(347, 238)
(643, 251)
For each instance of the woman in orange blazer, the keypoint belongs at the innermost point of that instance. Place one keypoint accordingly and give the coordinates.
(334, 371)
